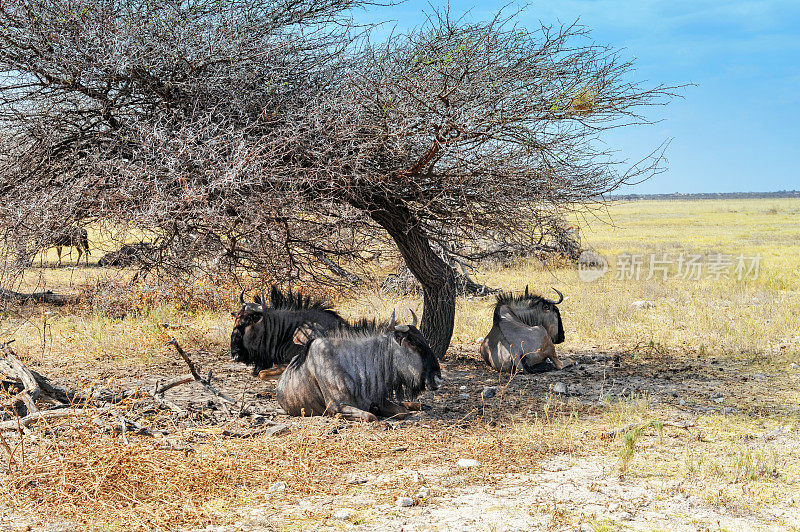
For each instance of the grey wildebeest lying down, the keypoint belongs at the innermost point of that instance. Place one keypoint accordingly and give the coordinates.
(524, 331)
(358, 372)
(262, 333)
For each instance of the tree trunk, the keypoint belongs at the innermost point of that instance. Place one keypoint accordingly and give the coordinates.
(436, 277)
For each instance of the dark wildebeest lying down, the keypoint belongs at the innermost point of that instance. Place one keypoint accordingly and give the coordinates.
(76, 237)
(358, 372)
(524, 329)
(127, 255)
(262, 334)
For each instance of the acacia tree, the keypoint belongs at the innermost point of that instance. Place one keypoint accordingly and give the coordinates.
(267, 136)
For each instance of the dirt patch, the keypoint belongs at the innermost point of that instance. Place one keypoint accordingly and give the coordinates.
(689, 383)
(582, 493)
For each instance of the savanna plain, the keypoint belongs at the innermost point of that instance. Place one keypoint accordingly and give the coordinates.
(682, 410)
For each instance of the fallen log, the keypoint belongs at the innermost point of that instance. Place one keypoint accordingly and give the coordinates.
(112, 408)
(13, 367)
(38, 297)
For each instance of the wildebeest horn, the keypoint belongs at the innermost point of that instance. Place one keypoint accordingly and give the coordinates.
(560, 295)
(391, 321)
(414, 320)
(526, 291)
(241, 298)
(263, 301)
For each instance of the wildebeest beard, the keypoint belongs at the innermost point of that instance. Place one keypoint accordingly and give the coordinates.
(529, 308)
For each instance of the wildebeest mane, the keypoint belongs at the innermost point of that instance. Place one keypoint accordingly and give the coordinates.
(362, 328)
(527, 308)
(519, 302)
(290, 301)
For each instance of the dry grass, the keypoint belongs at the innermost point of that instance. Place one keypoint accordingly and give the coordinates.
(90, 477)
(75, 470)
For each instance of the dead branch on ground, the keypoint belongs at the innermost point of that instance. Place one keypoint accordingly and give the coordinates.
(110, 408)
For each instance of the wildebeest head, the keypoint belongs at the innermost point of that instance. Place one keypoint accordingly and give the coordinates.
(244, 332)
(534, 310)
(414, 344)
(262, 332)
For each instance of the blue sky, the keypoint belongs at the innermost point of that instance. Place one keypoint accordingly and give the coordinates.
(737, 129)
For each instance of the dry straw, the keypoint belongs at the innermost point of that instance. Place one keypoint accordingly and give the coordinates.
(77, 469)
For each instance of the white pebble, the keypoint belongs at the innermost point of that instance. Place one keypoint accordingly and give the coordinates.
(467, 462)
(404, 502)
(489, 392)
(277, 487)
(560, 387)
(343, 515)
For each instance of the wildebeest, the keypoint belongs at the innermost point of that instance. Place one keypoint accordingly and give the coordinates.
(524, 329)
(76, 237)
(262, 333)
(126, 255)
(358, 372)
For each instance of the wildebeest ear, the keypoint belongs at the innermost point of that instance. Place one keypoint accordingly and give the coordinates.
(401, 328)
